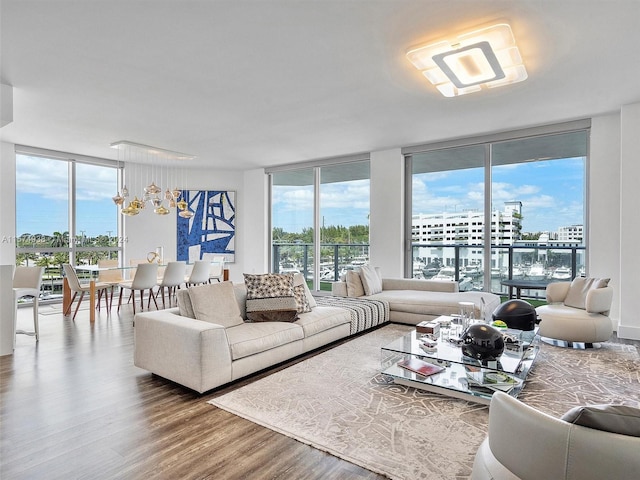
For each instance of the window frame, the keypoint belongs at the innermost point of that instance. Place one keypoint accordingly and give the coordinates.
(489, 141)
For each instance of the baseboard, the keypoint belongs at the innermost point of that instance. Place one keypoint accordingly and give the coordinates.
(629, 332)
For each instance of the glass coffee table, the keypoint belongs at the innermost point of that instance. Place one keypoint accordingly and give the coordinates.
(462, 377)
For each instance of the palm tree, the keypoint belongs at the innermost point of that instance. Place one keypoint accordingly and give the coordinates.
(60, 239)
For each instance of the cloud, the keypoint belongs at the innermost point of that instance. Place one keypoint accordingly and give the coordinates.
(50, 179)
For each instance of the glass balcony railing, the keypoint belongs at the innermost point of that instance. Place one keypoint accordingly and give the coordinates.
(460, 263)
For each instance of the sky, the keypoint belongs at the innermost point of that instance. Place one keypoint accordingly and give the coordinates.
(551, 192)
(42, 198)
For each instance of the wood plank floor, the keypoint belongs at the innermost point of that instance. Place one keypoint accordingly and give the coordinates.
(73, 406)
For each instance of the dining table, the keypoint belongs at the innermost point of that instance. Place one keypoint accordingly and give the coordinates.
(95, 270)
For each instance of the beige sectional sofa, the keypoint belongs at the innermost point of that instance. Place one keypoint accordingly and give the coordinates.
(412, 301)
(203, 355)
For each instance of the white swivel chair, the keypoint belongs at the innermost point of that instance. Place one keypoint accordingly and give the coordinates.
(76, 287)
(199, 273)
(172, 279)
(145, 278)
(26, 283)
(527, 444)
(571, 325)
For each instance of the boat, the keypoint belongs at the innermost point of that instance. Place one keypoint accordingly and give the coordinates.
(445, 273)
(497, 272)
(431, 270)
(418, 268)
(517, 272)
(536, 272)
(465, 284)
(472, 270)
(561, 273)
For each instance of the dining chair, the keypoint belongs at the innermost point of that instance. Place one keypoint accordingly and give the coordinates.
(26, 283)
(109, 273)
(76, 287)
(145, 278)
(199, 273)
(172, 278)
(216, 270)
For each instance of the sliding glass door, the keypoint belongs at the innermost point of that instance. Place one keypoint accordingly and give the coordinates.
(500, 209)
(64, 213)
(320, 212)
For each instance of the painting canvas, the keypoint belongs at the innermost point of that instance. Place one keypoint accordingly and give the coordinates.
(211, 231)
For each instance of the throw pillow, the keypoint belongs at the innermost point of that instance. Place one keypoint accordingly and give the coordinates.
(216, 303)
(185, 306)
(300, 293)
(577, 295)
(354, 284)
(371, 281)
(270, 297)
(610, 418)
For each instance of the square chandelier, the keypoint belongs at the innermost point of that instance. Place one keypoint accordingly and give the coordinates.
(484, 58)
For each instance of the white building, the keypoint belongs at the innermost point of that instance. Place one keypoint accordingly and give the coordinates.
(571, 233)
(465, 228)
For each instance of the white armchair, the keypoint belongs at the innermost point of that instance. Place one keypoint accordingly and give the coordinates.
(569, 323)
(524, 443)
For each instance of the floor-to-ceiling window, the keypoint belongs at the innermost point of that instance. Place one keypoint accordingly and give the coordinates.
(64, 213)
(320, 212)
(500, 208)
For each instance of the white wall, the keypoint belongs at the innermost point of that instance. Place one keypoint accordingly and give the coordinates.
(146, 231)
(629, 221)
(253, 228)
(604, 204)
(386, 219)
(7, 245)
(7, 203)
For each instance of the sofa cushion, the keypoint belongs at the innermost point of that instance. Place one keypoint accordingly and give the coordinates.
(270, 297)
(371, 280)
(619, 419)
(298, 279)
(577, 295)
(300, 293)
(322, 318)
(251, 338)
(216, 303)
(240, 290)
(354, 284)
(185, 307)
(435, 303)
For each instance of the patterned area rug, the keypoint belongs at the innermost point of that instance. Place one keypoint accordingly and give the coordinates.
(338, 402)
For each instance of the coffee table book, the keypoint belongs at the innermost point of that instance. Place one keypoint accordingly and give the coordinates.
(420, 366)
(491, 379)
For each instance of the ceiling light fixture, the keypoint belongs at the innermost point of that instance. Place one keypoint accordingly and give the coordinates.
(161, 162)
(487, 57)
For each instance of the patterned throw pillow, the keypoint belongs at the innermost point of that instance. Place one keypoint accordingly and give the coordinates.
(270, 297)
(301, 293)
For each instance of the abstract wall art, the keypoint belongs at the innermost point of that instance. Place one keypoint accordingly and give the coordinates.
(211, 231)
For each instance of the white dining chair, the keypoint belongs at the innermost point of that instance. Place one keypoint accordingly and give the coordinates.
(171, 280)
(216, 271)
(26, 283)
(145, 278)
(76, 287)
(199, 273)
(110, 274)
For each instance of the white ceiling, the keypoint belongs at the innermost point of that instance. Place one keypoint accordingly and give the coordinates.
(243, 84)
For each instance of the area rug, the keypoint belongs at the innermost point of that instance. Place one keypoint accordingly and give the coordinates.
(338, 402)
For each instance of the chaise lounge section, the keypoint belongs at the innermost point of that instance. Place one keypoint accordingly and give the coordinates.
(412, 301)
